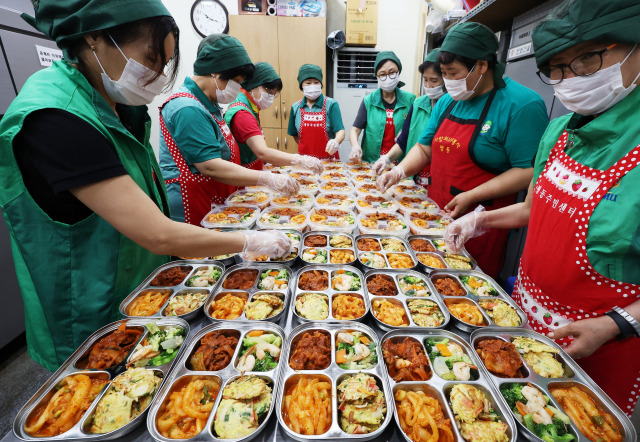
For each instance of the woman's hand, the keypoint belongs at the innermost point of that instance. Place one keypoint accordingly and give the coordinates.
(307, 162)
(460, 204)
(390, 178)
(279, 183)
(588, 335)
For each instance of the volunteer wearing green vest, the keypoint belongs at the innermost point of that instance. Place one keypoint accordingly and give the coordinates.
(481, 138)
(243, 117)
(418, 117)
(579, 275)
(199, 157)
(79, 187)
(315, 121)
(382, 112)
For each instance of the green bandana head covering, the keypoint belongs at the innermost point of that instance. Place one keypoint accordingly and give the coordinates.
(263, 74)
(66, 21)
(307, 71)
(385, 56)
(574, 22)
(475, 41)
(433, 56)
(218, 53)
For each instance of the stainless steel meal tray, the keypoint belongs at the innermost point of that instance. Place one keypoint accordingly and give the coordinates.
(385, 254)
(328, 248)
(439, 253)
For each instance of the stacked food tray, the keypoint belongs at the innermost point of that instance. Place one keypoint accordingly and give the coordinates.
(313, 362)
(450, 286)
(292, 258)
(316, 301)
(338, 248)
(283, 218)
(80, 374)
(220, 422)
(439, 257)
(250, 197)
(384, 252)
(407, 294)
(332, 219)
(548, 369)
(231, 217)
(383, 223)
(164, 292)
(248, 284)
(300, 201)
(398, 346)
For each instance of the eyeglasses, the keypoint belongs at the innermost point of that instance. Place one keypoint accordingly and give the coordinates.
(273, 92)
(391, 75)
(582, 66)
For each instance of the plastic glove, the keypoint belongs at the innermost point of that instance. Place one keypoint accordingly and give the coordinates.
(279, 183)
(332, 147)
(380, 165)
(463, 229)
(307, 162)
(272, 243)
(390, 178)
(356, 153)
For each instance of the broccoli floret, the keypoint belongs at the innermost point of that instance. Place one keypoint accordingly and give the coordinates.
(513, 394)
(554, 432)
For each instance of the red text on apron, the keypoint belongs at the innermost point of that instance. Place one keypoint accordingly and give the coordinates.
(389, 135)
(556, 282)
(454, 170)
(198, 191)
(313, 133)
(257, 164)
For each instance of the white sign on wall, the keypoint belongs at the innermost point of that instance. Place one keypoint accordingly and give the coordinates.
(47, 55)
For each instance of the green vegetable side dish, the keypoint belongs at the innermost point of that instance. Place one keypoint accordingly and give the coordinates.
(205, 277)
(534, 410)
(274, 279)
(346, 281)
(450, 361)
(478, 286)
(160, 346)
(413, 286)
(355, 351)
(318, 256)
(259, 353)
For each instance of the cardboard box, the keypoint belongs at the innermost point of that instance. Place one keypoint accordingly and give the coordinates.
(362, 24)
(302, 8)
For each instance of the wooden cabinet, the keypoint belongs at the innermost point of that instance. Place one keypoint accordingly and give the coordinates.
(286, 43)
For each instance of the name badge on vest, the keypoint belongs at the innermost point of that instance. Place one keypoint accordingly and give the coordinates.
(313, 118)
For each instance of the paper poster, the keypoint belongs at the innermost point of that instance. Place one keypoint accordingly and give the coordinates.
(47, 55)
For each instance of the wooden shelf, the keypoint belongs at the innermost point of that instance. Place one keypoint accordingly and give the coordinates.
(498, 14)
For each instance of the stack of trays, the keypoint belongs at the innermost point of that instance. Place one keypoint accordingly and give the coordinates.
(473, 304)
(317, 293)
(87, 376)
(153, 297)
(247, 285)
(317, 360)
(547, 368)
(404, 299)
(384, 252)
(329, 248)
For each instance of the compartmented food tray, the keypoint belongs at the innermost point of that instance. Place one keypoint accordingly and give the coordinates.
(332, 219)
(416, 203)
(439, 257)
(382, 223)
(384, 252)
(336, 200)
(338, 248)
(250, 197)
(231, 217)
(408, 290)
(294, 236)
(546, 367)
(376, 203)
(426, 223)
(300, 201)
(283, 218)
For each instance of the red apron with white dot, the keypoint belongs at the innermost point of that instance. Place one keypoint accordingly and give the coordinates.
(556, 282)
(313, 133)
(257, 164)
(389, 135)
(198, 191)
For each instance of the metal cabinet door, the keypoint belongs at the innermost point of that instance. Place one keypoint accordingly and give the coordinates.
(21, 54)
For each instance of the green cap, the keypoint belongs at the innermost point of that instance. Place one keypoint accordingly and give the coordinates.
(219, 52)
(574, 22)
(384, 56)
(264, 73)
(433, 56)
(307, 71)
(475, 41)
(66, 21)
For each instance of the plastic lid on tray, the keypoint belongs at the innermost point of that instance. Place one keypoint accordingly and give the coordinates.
(334, 175)
(249, 197)
(336, 200)
(231, 217)
(408, 189)
(391, 224)
(367, 189)
(332, 221)
(416, 203)
(283, 218)
(335, 187)
(386, 206)
(300, 201)
(424, 223)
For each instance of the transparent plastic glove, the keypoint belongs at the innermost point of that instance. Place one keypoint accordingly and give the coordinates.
(356, 153)
(279, 183)
(382, 163)
(272, 243)
(390, 178)
(307, 162)
(463, 229)
(332, 147)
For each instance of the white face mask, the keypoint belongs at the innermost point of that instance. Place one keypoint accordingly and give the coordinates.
(434, 92)
(595, 93)
(229, 93)
(458, 88)
(265, 101)
(389, 84)
(130, 88)
(312, 91)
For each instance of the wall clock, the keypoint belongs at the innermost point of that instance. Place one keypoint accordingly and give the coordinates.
(209, 17)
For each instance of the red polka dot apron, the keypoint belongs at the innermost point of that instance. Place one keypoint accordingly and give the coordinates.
(454, 170)
(198, 191)
(257, 164)
(313, 133)
(389, 135)
(556, 282)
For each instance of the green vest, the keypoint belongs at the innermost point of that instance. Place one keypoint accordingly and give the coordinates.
(72, 277)
(246, 154)
(419, 119)
(377, 118)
